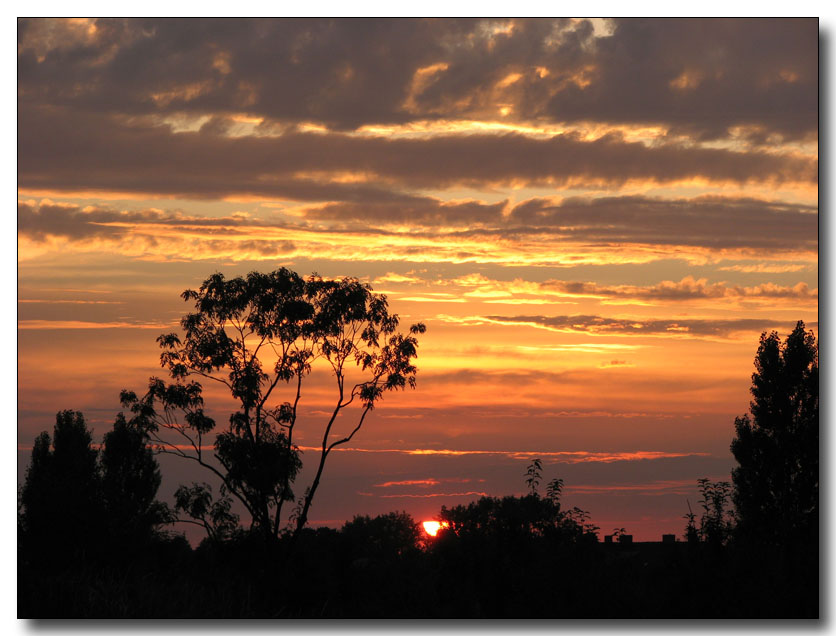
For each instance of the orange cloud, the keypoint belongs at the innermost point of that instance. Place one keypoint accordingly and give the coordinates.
(81, 324)
(469, 493)
(409, 482)
(562, 457)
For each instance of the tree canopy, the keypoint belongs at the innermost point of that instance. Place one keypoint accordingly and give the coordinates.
(512, 518)
(259, 336)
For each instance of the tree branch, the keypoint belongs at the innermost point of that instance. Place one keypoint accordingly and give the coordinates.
(356, 428)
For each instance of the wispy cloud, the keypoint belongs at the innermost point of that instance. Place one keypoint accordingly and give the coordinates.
(768, 268)
(81, 324)
(479, 287)
(408, 482)
(55, 301)
(600, 325)
(616, 364)
(426, 482)
(469, 493)
(661, 487)
(563, 457)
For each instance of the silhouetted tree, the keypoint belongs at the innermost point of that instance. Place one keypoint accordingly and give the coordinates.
(520, 518)
(776, 485)
(383, 537)
(130, 480)
(77, 501)
(293, 322)
(61, 496)
(213, 515)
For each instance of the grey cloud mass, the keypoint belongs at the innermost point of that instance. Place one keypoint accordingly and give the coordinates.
(37, 222)
(709, 221)
(88, 152)
(703, 76)
(714, 223)
(98, 103)
(684, 290)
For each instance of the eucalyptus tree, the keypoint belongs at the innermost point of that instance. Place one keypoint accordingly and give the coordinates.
(259, 337)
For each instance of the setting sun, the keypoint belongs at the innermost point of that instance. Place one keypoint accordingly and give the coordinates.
(432, 527)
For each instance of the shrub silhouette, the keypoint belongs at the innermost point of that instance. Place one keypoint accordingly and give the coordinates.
(717, 521)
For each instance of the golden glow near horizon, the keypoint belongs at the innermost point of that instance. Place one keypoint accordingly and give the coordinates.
(594, 261)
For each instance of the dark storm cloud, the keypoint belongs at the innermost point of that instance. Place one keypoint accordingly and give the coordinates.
(699, 76)
(707, 221)
(59, 150)
(615, 326)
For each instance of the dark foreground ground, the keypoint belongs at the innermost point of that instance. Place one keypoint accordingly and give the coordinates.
(334, 576)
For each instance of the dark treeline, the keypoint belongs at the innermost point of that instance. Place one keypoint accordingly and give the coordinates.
(515, 556)
(94, 541)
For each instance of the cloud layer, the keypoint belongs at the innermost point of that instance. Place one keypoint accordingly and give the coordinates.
(705, 76)
(610, 229)
(64, 151)
(602, 325)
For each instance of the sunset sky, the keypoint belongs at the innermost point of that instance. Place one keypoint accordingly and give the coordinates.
(595, 219)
